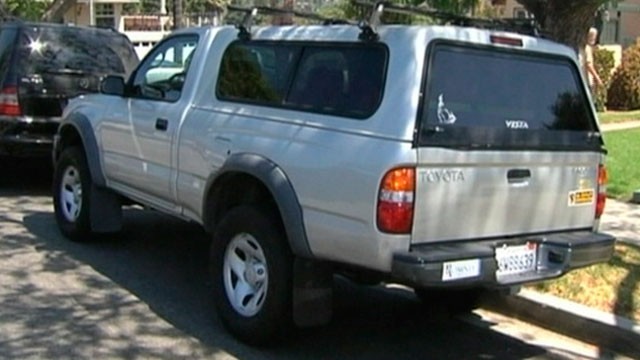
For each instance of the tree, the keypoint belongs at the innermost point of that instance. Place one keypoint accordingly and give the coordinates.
(345, 9)
(459, 7)
(26, 9)
(566, 21)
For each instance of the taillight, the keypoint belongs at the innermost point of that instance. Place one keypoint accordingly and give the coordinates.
(395, 201)
(602, 190)
(9, 101)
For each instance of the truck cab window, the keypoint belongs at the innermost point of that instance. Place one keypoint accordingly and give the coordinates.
(162, 74)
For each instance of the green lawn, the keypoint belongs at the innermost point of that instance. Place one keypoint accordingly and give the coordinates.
(623, 162)
(618, 116)
(613, 287)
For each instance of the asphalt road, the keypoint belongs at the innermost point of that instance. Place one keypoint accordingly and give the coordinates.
(145, 294)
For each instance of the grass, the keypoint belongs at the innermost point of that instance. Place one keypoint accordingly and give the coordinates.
(623, 162)
(618, 116)
(613, 287)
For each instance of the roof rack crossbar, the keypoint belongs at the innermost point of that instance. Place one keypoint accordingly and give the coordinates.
(370, 28)
(523, 26)
(251, 12)
(244, 27)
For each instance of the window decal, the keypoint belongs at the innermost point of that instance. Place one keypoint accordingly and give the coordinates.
(444, 115)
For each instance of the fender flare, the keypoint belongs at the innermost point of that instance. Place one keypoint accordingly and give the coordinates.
(283, 193)
(84, 129)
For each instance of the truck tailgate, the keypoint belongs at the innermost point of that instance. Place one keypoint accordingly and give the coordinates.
(477, 195)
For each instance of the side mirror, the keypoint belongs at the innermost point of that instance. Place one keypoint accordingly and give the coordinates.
(112, 85)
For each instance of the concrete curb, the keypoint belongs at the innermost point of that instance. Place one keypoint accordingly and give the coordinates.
(615, 333)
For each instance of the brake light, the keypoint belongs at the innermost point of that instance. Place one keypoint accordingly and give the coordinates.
(602, 190)
(9, 101)
(395, 201)
(505, 40)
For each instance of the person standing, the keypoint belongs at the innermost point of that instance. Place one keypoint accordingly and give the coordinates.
(589, 68)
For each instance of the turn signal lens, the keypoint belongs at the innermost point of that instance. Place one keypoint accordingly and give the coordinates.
(603, 178)
(395, 201)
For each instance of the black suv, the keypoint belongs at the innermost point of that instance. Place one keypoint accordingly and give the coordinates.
(42, 66)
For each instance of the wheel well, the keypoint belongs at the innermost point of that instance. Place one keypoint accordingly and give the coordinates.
(233, 189)
(69, 136)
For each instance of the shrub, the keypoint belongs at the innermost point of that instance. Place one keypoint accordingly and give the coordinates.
(604, 63)
(624, 91)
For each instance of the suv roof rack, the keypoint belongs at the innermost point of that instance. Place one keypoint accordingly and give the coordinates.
(369, 28)
(251, 12)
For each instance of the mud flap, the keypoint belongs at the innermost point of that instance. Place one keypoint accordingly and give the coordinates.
(312, 292)
(106, 210)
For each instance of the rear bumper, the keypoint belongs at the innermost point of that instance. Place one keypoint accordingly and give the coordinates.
(557, 254)
(27, 137)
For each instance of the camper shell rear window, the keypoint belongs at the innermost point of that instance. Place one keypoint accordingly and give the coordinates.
(484, 97)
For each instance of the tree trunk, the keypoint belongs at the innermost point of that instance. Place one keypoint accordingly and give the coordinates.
(565, 21)
(56, 10)
(177, 14)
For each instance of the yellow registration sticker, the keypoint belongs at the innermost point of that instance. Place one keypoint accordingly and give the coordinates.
(581, 197)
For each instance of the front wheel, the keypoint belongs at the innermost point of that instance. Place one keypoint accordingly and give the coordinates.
(71, 191)
(251, 266)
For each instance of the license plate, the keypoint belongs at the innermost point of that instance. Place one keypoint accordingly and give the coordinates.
(516, 259)
(462, 269)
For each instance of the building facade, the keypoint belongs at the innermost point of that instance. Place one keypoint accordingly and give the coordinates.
(144, 31)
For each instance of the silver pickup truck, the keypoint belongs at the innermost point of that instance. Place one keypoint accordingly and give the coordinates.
(446, 158)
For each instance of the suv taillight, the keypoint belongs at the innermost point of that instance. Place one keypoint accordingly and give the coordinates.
(602, 190)
(395, 201)
(9, 101)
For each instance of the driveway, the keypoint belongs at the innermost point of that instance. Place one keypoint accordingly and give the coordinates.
(145, 294)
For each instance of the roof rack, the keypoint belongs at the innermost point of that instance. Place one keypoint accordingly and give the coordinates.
(369, 28)
(251, 12)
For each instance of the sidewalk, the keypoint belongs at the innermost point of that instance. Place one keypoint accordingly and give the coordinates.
(622, 220)
(620, 125)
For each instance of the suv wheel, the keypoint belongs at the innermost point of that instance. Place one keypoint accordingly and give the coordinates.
(251, 265)
(71, 190)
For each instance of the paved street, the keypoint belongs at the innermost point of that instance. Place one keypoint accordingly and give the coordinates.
(144, 294)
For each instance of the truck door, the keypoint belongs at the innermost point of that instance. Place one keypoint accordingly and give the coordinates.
(155, 109)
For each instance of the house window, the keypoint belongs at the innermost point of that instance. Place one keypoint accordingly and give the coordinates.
(105, 15)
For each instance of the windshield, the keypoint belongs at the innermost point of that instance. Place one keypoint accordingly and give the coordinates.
(488, 98)
(76, 50)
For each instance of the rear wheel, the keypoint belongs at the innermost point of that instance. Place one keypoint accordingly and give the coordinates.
(251, 266)
(71, 192)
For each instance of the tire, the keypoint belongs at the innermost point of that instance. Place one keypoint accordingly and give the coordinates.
(71, 194)
(456, 301)
(251, 267)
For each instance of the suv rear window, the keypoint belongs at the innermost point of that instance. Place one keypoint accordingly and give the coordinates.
(337, 79)
(488, 98)
(7, 38)
(92, 51)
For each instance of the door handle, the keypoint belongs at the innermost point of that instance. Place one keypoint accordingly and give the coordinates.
(162, 124)
(518, 173)
(518, 176)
